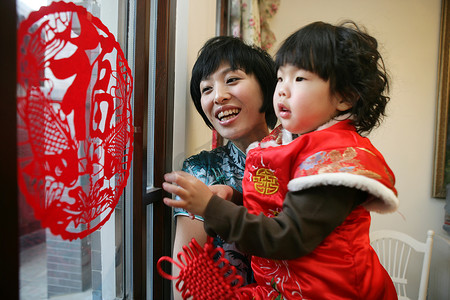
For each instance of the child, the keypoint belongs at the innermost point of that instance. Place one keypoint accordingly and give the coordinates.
(306, 217)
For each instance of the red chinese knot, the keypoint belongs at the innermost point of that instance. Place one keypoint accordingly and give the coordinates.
(75, 133)
(205, 274)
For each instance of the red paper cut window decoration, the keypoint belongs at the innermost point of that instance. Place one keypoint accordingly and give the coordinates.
(75, 133)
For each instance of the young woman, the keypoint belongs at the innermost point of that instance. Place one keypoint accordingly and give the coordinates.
(232, 85)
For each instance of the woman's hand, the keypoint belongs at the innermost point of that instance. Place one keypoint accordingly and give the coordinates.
(194, 194)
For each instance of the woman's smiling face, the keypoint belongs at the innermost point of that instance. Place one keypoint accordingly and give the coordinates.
(232, 99)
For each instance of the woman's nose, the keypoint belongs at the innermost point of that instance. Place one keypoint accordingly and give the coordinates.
(221, 94)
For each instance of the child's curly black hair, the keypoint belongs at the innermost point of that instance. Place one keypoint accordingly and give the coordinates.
(251, 59)
(348, 57)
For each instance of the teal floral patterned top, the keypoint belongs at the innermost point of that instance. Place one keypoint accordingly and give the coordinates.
(223, 165)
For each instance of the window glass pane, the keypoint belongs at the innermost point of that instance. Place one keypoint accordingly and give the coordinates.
(87, 268)
(151, 96)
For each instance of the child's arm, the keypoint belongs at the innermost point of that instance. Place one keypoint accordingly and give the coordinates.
(308, 217)
(194, 193)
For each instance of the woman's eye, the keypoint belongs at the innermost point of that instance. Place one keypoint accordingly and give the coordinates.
(232, 79)
(299, 78)
(206, 89)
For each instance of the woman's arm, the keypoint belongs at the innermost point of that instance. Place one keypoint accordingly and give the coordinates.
(186, 229)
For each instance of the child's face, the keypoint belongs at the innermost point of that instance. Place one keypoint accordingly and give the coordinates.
(303, 101)
(231, 100)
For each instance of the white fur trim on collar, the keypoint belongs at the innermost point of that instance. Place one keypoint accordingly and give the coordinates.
(271, 143)
(251, 146)
(286, 137)
(384, 200)
(334, 121)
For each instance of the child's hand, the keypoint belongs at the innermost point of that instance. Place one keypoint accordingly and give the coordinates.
(194, 194)
(223, 191)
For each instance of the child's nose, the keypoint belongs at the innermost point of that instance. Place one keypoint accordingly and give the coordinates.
(283, 91)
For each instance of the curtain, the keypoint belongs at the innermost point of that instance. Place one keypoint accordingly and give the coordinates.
(250, 21)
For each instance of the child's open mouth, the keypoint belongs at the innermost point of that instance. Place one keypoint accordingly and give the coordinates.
(284, 112)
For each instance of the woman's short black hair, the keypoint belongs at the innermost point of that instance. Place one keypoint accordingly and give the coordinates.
(347, 57)
(251, 59)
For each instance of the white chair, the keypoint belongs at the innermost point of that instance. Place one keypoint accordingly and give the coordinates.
(394, 249)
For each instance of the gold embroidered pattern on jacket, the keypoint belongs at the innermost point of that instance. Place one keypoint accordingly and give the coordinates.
(266, 182)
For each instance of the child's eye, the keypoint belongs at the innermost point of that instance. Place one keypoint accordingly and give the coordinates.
(299, 78)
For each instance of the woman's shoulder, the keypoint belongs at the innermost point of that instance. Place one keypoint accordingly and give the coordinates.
(222, 165)
(227, 154)
(205, 157)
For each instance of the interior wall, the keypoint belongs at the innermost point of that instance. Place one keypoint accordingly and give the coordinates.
(408, 35)
(195, 24)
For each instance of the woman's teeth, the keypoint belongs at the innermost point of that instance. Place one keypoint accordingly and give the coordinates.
(227, 114)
